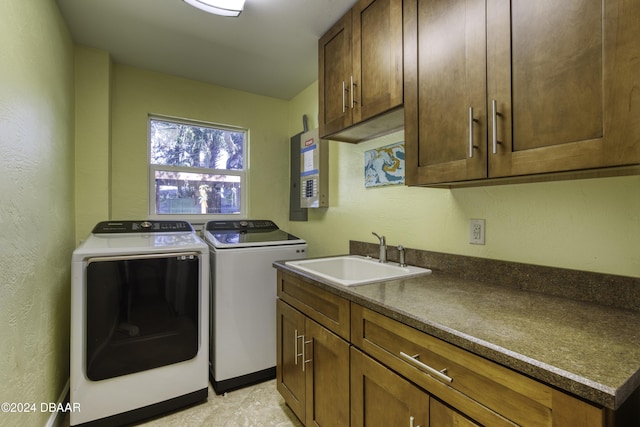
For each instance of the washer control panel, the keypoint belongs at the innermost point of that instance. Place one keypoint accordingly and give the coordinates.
(110, 227)
(244, 225)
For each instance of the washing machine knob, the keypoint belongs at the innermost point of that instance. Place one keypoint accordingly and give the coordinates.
(244, 223)
(146, 224)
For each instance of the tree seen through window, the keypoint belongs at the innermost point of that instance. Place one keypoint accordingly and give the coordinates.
(196, 168)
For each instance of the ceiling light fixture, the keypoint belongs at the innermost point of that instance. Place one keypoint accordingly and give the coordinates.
(219, 7)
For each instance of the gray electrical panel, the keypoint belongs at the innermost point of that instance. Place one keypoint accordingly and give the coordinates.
(314, 170)
(296, 212)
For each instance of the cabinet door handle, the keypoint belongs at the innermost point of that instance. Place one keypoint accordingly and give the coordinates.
(471, 120)
(426, 368)
(494, 119)
(296, 337)
(353, 89)
(304, 359)
(344, 104)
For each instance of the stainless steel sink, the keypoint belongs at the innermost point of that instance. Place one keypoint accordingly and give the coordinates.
(353, 270)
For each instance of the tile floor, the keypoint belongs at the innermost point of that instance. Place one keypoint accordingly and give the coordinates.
(257, 406)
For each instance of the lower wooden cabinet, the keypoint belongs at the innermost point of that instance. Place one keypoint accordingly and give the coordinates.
(381, 398)
(312, 369)
(289, 373)
(381, 372)
(442, 415)
(477, 389)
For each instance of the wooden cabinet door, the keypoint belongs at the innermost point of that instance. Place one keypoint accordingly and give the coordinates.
(290, 377)
(562, 75)
(445, 90)
(443, 416)
(379, 397)
(327, 377)
(334, 77)
(377, 58)
(561, 87)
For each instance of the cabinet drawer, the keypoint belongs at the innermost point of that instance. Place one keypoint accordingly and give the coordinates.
(329, 310)
(478, 387)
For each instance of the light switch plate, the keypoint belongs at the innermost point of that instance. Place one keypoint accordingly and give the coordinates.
(476, 231)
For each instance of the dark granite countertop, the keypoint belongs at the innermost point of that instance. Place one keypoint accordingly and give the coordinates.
(587, 349)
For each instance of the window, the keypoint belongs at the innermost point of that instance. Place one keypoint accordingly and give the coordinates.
(196, 170)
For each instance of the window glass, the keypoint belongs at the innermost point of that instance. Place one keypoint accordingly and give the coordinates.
(196, 169)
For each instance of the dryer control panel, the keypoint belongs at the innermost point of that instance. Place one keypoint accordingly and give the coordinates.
(110, 227)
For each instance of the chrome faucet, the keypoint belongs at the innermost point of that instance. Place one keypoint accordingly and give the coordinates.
(383, 248)
(401, 255)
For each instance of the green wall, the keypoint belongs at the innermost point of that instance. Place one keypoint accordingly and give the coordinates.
(136, 93)
(93, 138)
(37, 205)
(591, 224)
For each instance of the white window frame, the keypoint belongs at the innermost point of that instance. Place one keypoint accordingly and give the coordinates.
(198, 218)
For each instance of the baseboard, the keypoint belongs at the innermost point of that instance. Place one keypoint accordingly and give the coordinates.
(56, 418)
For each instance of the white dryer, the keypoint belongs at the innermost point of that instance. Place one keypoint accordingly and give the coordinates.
(243, 298)
(139, 321)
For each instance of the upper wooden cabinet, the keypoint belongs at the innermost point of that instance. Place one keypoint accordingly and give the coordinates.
(497, 88)
(334, 58)
(361, 72)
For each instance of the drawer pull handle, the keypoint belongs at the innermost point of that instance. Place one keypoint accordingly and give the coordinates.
(426, 368)
(411, 422)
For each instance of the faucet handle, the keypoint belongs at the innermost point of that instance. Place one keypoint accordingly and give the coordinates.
(381, 238)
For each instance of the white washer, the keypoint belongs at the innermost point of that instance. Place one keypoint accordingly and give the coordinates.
(139, 321)
(243, 299)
